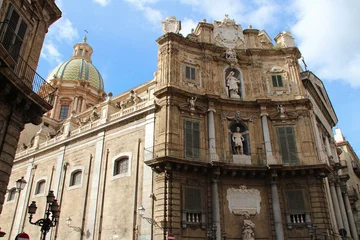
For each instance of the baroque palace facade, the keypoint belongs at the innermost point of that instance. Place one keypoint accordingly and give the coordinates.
(230, 140)
(23, 25)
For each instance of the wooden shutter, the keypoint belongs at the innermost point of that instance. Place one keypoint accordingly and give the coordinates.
(193, 73)
(287, 145)
(279, 81)
(274, 82)
(295, 200)
(192, 139)
(193, 199)
(187, 72)
(196, 140)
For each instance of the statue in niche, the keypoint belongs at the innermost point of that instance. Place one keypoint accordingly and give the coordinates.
(248, 228)
(191, 102)
(233, 84)
(238, 139)
(281, 111)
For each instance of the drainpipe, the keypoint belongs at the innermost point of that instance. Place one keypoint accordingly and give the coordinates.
(103, 195)
(85, 200)
(136, 190)
(65, 167)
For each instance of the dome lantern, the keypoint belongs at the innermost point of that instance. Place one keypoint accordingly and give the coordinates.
(82, 50)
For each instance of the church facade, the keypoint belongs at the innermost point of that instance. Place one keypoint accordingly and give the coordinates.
(226, 142)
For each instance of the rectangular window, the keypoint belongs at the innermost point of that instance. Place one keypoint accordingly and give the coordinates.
(192, 139)
(64, 112)
(190, 72)
(13, 33)
(192, 214)
(296, 208)
(287, 145)
(277, 81)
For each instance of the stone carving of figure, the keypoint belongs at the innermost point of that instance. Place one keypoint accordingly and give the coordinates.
(238, 139)
(94, 115)
(191, 102)
(281, 111)
(248, 228)
(233, 84)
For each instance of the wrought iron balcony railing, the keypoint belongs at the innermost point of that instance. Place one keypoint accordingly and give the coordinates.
(12, 44)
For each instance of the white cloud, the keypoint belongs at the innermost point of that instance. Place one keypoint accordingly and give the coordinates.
(259, 13)
(64, 30)
(186, 26)
(103, 3)
(327, 37)
(51, 53)
(60, 31)
(153, 15)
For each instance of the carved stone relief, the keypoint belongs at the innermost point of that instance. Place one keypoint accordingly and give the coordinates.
(242, 201)
(171, 25)
(227, 33)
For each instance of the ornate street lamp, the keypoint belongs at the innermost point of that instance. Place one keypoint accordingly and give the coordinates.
(52, 214)
(77, 229)
(141, 212)
(19, 185)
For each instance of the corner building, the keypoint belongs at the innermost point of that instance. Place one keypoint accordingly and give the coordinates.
(24, 93)
(223, 143)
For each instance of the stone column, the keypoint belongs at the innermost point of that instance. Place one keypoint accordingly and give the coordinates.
(279, 231)
(350, 215)
(216, 207)
(267, 142)
(75, 107)
(52, 115)
(342, 208)
(212, 142)
(335, 202)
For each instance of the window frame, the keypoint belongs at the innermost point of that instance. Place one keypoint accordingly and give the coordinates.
(191, 75)
(199, 215)
(116, 158)
(118, 168)
(8, 31)
(288, 160)
(11, 195)
(73, 171)
(36, 189)
(277, 80)
(195, 152)
(61, 111)
(297, 217)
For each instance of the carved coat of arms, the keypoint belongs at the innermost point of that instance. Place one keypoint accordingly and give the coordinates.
(228, 33)
(171, 25)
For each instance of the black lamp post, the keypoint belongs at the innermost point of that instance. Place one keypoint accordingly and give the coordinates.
(52, 214)
(20, 184)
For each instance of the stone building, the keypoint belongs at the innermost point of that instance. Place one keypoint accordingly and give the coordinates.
(228, 141)
(24, 93)
(350, 170)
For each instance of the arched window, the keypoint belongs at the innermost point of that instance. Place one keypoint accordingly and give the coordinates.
(11, 194)
(76, 178)
(40, 187)
(121, 166)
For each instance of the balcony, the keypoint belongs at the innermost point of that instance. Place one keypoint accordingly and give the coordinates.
(18, 71)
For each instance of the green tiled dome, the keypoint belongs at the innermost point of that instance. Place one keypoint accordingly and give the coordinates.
(78, 69)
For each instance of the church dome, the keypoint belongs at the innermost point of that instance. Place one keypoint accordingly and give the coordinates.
(79, 67)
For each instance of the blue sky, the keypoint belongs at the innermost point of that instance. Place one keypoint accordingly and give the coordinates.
(123, 35)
